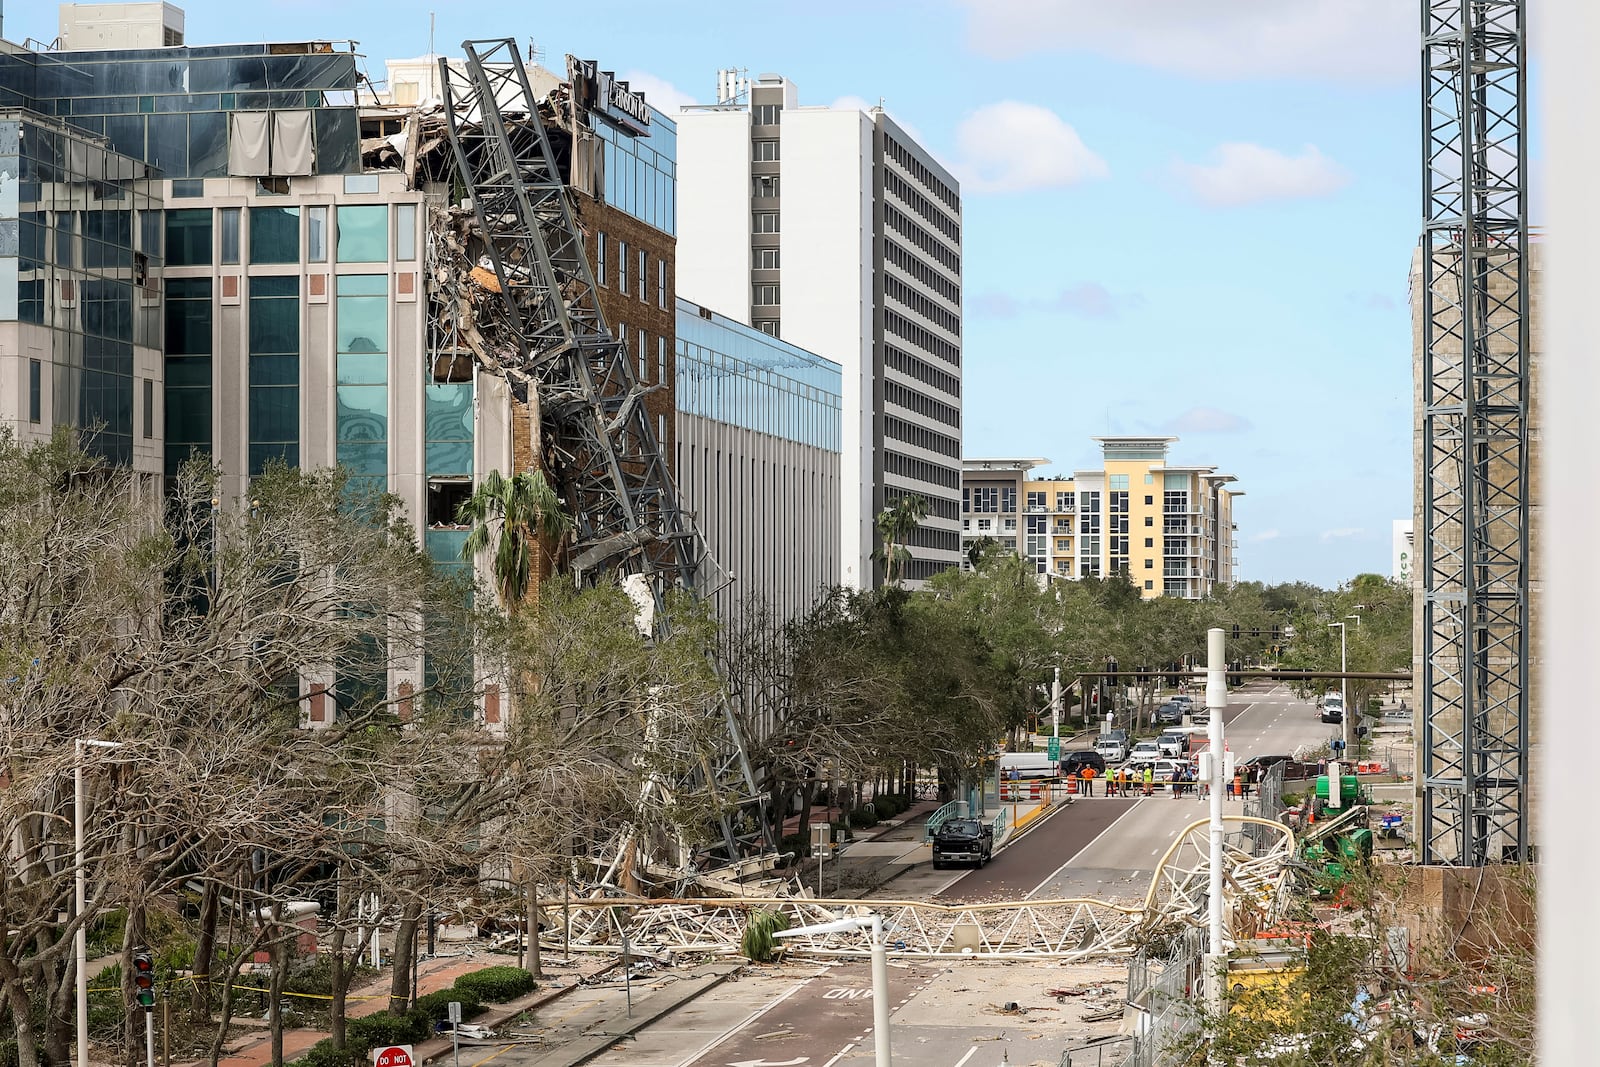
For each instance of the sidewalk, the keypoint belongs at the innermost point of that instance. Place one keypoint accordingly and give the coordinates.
(255, 1049)
(874, 859)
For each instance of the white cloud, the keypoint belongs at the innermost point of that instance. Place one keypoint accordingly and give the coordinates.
(1091, 300)
(1360, 41)
(1012, 147)
(1266, 535)
(1343, 533)
(658, 92)
(1244, 173)
(1207, 420)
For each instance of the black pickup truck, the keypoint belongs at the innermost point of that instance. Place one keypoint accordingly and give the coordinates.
(963, 841)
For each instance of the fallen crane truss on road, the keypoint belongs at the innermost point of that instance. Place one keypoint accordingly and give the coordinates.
(1256, 877)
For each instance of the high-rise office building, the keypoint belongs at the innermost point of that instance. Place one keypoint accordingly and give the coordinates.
(832, 229)
(1169, 528)
(757, 463)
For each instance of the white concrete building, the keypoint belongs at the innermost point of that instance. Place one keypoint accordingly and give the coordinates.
(1400, 568)
(834, 230)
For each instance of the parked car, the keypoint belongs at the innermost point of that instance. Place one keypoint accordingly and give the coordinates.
(963, 841)
(1162, 765)
(1174, 743)
(1112, 747)
(1293, 770)
(1333, 712)
(1144, 752)
(1073, 763)
(1184, 700)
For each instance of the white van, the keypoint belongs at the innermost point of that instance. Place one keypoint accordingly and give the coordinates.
(1026, 765)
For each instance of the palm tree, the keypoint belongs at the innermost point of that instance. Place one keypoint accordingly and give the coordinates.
(895, 526)
(526, 510)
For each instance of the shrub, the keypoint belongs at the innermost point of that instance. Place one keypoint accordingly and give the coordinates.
(864, 818)
(842, 831)
(323, 1054)
(436, 1006)
(497, 985)
(8, 1052)
(383, 1028)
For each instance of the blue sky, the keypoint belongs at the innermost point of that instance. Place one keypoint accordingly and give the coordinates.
(1180, 217)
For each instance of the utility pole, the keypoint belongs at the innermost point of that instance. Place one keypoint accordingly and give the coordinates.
(1216, 701)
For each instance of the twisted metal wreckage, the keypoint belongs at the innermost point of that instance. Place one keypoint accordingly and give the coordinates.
(510, 289)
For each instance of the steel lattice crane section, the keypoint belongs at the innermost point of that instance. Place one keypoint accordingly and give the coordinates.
(1475, 460)
(582, 385)
(613, 473)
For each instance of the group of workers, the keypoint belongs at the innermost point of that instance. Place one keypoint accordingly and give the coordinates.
(1127, 782)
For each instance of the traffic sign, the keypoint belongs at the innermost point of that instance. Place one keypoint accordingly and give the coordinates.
(1053, 749)
(393, 1056)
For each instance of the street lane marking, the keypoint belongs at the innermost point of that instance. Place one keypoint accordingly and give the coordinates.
(736, 1027)
(962, 1061)
(1085, 848)
(842, 1054)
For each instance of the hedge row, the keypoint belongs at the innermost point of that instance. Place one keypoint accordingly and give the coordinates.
(492, 985)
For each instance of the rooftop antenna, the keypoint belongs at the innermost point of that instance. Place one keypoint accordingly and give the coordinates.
(535, 53)
(733, 87)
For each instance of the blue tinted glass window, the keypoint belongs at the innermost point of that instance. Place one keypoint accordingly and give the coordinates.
(363, 234)
(274, 235)
(189, 237)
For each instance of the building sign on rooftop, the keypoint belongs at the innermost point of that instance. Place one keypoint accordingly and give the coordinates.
(601, 94)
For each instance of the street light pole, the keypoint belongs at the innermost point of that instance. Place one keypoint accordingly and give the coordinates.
(1216, 703)
(1344, 690)
(80, 937)
(880, 974)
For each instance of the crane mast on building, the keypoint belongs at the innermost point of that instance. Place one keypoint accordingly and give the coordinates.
(581, 383)
(1475, 435)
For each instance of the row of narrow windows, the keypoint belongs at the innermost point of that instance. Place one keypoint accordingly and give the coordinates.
(911, 400)
(918, 268)
(922, 337)
(922, 205)
(921, 470)
(908, 228)
(921, 370)
(921, 436)
(902, 155)
(922, 305)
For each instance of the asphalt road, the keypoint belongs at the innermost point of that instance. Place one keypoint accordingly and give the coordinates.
(1019, 869)
(1120, 861)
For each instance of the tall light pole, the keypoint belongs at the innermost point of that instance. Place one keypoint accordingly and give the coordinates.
(880, 974)
(1344, 700)
(80, 938)
(1216, 703)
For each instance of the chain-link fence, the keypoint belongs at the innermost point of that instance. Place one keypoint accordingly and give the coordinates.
(1165, 992)
(1265, 802)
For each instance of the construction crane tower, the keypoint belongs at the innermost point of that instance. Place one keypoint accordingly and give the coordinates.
(1474, 446)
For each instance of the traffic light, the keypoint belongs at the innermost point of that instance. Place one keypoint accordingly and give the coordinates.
(1275, 633)
(144, 978)
(1236, 631)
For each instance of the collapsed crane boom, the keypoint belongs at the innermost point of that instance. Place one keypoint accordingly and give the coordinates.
(608, 464)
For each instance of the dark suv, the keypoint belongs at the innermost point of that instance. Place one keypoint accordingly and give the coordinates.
(1073, 763)
(963, 841)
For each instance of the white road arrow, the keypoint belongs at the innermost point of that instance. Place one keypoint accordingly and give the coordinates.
(772, 1063)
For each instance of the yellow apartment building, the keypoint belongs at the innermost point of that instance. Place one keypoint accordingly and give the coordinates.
(1169, 527)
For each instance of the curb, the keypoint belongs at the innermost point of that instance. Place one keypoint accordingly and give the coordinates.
(586, 1047)
(426, 1052)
